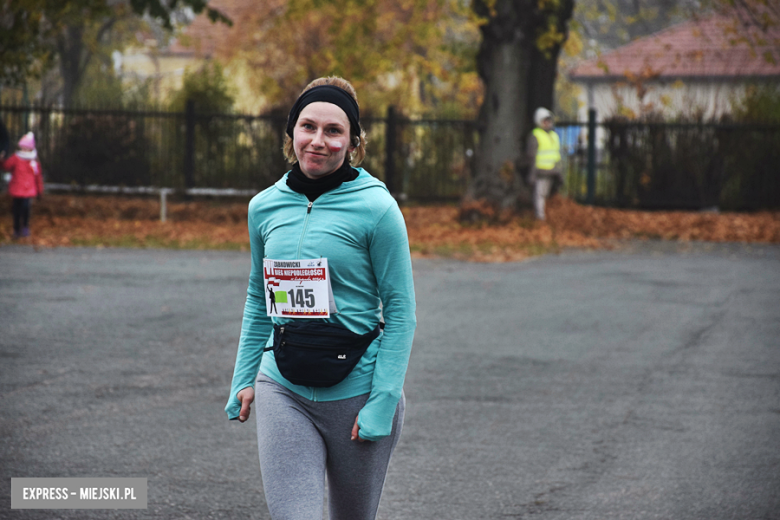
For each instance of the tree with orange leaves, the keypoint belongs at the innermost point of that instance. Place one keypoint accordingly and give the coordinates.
(415, 54)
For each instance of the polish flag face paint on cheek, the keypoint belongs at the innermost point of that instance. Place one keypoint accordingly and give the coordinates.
(335, 147)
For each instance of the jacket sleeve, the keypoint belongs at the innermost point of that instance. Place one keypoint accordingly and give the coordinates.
(392, 264)
(557, 169)
(256, 325)
(532, 146)
(7, 165)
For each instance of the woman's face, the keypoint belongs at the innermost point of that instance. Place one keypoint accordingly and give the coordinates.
(321, 139)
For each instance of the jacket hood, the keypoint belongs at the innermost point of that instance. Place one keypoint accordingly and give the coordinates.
(541, 114)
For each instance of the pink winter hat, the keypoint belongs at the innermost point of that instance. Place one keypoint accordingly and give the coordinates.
(28, 141)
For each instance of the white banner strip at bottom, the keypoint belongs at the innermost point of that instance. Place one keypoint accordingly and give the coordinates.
(78, 493)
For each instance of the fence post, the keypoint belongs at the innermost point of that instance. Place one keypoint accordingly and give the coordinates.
(189, 145)
(26, 103)
(591, 179)
(390, 149)
(163, 205)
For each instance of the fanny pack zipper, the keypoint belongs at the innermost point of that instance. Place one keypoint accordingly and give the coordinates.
(307, 347)
(306, 333)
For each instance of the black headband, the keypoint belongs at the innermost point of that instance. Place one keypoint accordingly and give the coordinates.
(328, 94)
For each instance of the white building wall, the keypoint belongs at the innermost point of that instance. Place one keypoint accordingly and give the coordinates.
(709, 99)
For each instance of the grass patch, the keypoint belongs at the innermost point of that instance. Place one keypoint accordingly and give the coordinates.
(152, 242)
(108, 241)
(539, 249)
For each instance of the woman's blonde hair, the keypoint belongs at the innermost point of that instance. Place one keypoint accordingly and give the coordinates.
(358, 141)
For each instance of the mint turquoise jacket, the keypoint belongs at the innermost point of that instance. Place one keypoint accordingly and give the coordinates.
(359, 228)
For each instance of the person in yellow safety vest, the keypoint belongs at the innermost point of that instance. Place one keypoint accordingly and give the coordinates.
(544, 155)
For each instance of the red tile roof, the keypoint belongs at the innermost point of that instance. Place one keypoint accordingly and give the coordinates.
(202, 38)
(710, 47)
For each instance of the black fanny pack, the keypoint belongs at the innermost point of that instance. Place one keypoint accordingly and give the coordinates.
(318, 354)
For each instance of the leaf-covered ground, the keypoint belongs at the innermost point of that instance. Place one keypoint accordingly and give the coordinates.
(67, 220)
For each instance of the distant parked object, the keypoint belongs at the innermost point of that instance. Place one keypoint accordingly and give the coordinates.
(695, 69)
(6, 145)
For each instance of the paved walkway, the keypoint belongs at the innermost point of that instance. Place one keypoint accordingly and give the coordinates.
(641, 383)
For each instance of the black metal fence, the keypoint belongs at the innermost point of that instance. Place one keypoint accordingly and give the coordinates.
(425, 160)
(162, 149)
(641, 165)
(683, 166)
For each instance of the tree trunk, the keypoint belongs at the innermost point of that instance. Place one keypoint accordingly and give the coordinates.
(70, 48)
(75, 54)
(497, 187)
(518, 77)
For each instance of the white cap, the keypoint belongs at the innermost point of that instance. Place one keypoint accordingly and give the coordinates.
(541, 114)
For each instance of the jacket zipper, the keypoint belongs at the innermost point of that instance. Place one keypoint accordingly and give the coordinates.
(298, 257)
(303, 232)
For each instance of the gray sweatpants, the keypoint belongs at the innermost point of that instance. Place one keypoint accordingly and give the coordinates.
(301, 441)
(542, 188)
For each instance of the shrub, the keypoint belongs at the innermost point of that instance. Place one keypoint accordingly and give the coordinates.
(761, 104)
(107, 149)
(208, 88)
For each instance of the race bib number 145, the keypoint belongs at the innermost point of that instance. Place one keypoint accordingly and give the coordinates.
(298, 288)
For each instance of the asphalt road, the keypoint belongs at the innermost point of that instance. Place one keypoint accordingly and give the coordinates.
(641, 383)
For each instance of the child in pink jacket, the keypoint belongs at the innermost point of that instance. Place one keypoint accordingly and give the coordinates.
(26, 182)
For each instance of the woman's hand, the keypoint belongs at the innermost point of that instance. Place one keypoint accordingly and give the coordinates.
(246, 396)
(356, 432)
